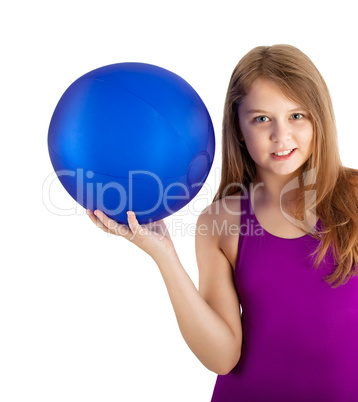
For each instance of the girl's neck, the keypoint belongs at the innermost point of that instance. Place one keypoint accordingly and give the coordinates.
(274, 192)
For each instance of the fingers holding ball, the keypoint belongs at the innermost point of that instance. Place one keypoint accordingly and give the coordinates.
(108, 225)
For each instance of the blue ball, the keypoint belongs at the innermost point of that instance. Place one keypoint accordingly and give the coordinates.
(131, 136)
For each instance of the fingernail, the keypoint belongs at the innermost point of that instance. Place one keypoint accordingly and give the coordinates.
(130, 213)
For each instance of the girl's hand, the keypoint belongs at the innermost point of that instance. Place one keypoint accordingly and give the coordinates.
(152, 238)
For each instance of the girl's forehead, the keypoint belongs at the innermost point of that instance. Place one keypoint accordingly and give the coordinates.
(268, 93)
(264, 86)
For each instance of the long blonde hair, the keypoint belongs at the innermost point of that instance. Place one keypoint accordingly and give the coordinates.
(336, 186)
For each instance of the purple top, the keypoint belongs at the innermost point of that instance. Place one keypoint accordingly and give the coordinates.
(300, 336)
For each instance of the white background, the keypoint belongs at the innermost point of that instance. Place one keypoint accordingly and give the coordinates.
(85, 316)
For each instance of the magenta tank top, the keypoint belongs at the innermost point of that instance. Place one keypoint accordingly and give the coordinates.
(300, 336)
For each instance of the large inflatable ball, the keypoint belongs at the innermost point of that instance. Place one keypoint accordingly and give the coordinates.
(131, 136)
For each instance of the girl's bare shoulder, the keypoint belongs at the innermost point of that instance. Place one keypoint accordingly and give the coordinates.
(224, 207)
(222, 212)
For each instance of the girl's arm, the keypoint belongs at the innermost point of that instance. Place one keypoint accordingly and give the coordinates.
(216, 286)
(209, 320)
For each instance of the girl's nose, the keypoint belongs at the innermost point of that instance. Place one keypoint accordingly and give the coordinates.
(281, 131)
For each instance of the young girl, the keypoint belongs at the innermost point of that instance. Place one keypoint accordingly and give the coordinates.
(276, 313)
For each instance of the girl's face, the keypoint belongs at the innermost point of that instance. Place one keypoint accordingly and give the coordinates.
(271, 123)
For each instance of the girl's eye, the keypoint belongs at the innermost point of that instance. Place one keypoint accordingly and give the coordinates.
(261, 119)
(297, 116)
(264, 119)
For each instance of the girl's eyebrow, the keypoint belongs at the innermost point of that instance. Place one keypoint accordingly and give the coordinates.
(256, 111)
(264, 111)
